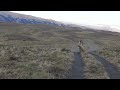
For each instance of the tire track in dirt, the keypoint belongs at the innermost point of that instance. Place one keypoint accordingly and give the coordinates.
(111, 69)
(77, 69)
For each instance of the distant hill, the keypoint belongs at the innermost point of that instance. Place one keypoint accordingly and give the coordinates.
(6, 16)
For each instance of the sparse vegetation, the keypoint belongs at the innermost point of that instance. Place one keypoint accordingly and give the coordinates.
(111, 54)
(46, 52)
(33, 52)
(34, 62)
(93, 68)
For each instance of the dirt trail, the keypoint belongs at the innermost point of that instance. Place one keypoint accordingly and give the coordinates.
(77, 71)
(112, 70)
(77, 68)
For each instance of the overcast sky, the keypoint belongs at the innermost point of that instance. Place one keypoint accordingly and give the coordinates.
(79, 17)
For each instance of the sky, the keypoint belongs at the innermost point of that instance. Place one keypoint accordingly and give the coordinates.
(111, 18)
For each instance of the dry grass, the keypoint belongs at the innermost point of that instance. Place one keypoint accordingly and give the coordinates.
(42, 51)
(111, 51)
(93, 68)
(34, 62)
(113, 56)
(33, 51)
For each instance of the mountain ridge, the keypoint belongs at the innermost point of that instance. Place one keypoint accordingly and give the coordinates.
(7, 16)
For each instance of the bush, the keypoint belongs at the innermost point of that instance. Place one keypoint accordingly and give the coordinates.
(65, 50)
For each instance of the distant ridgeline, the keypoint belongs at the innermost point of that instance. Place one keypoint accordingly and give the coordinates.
(6, 16)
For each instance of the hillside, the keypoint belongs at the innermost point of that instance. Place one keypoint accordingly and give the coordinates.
(42, 51)
(6, 16)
